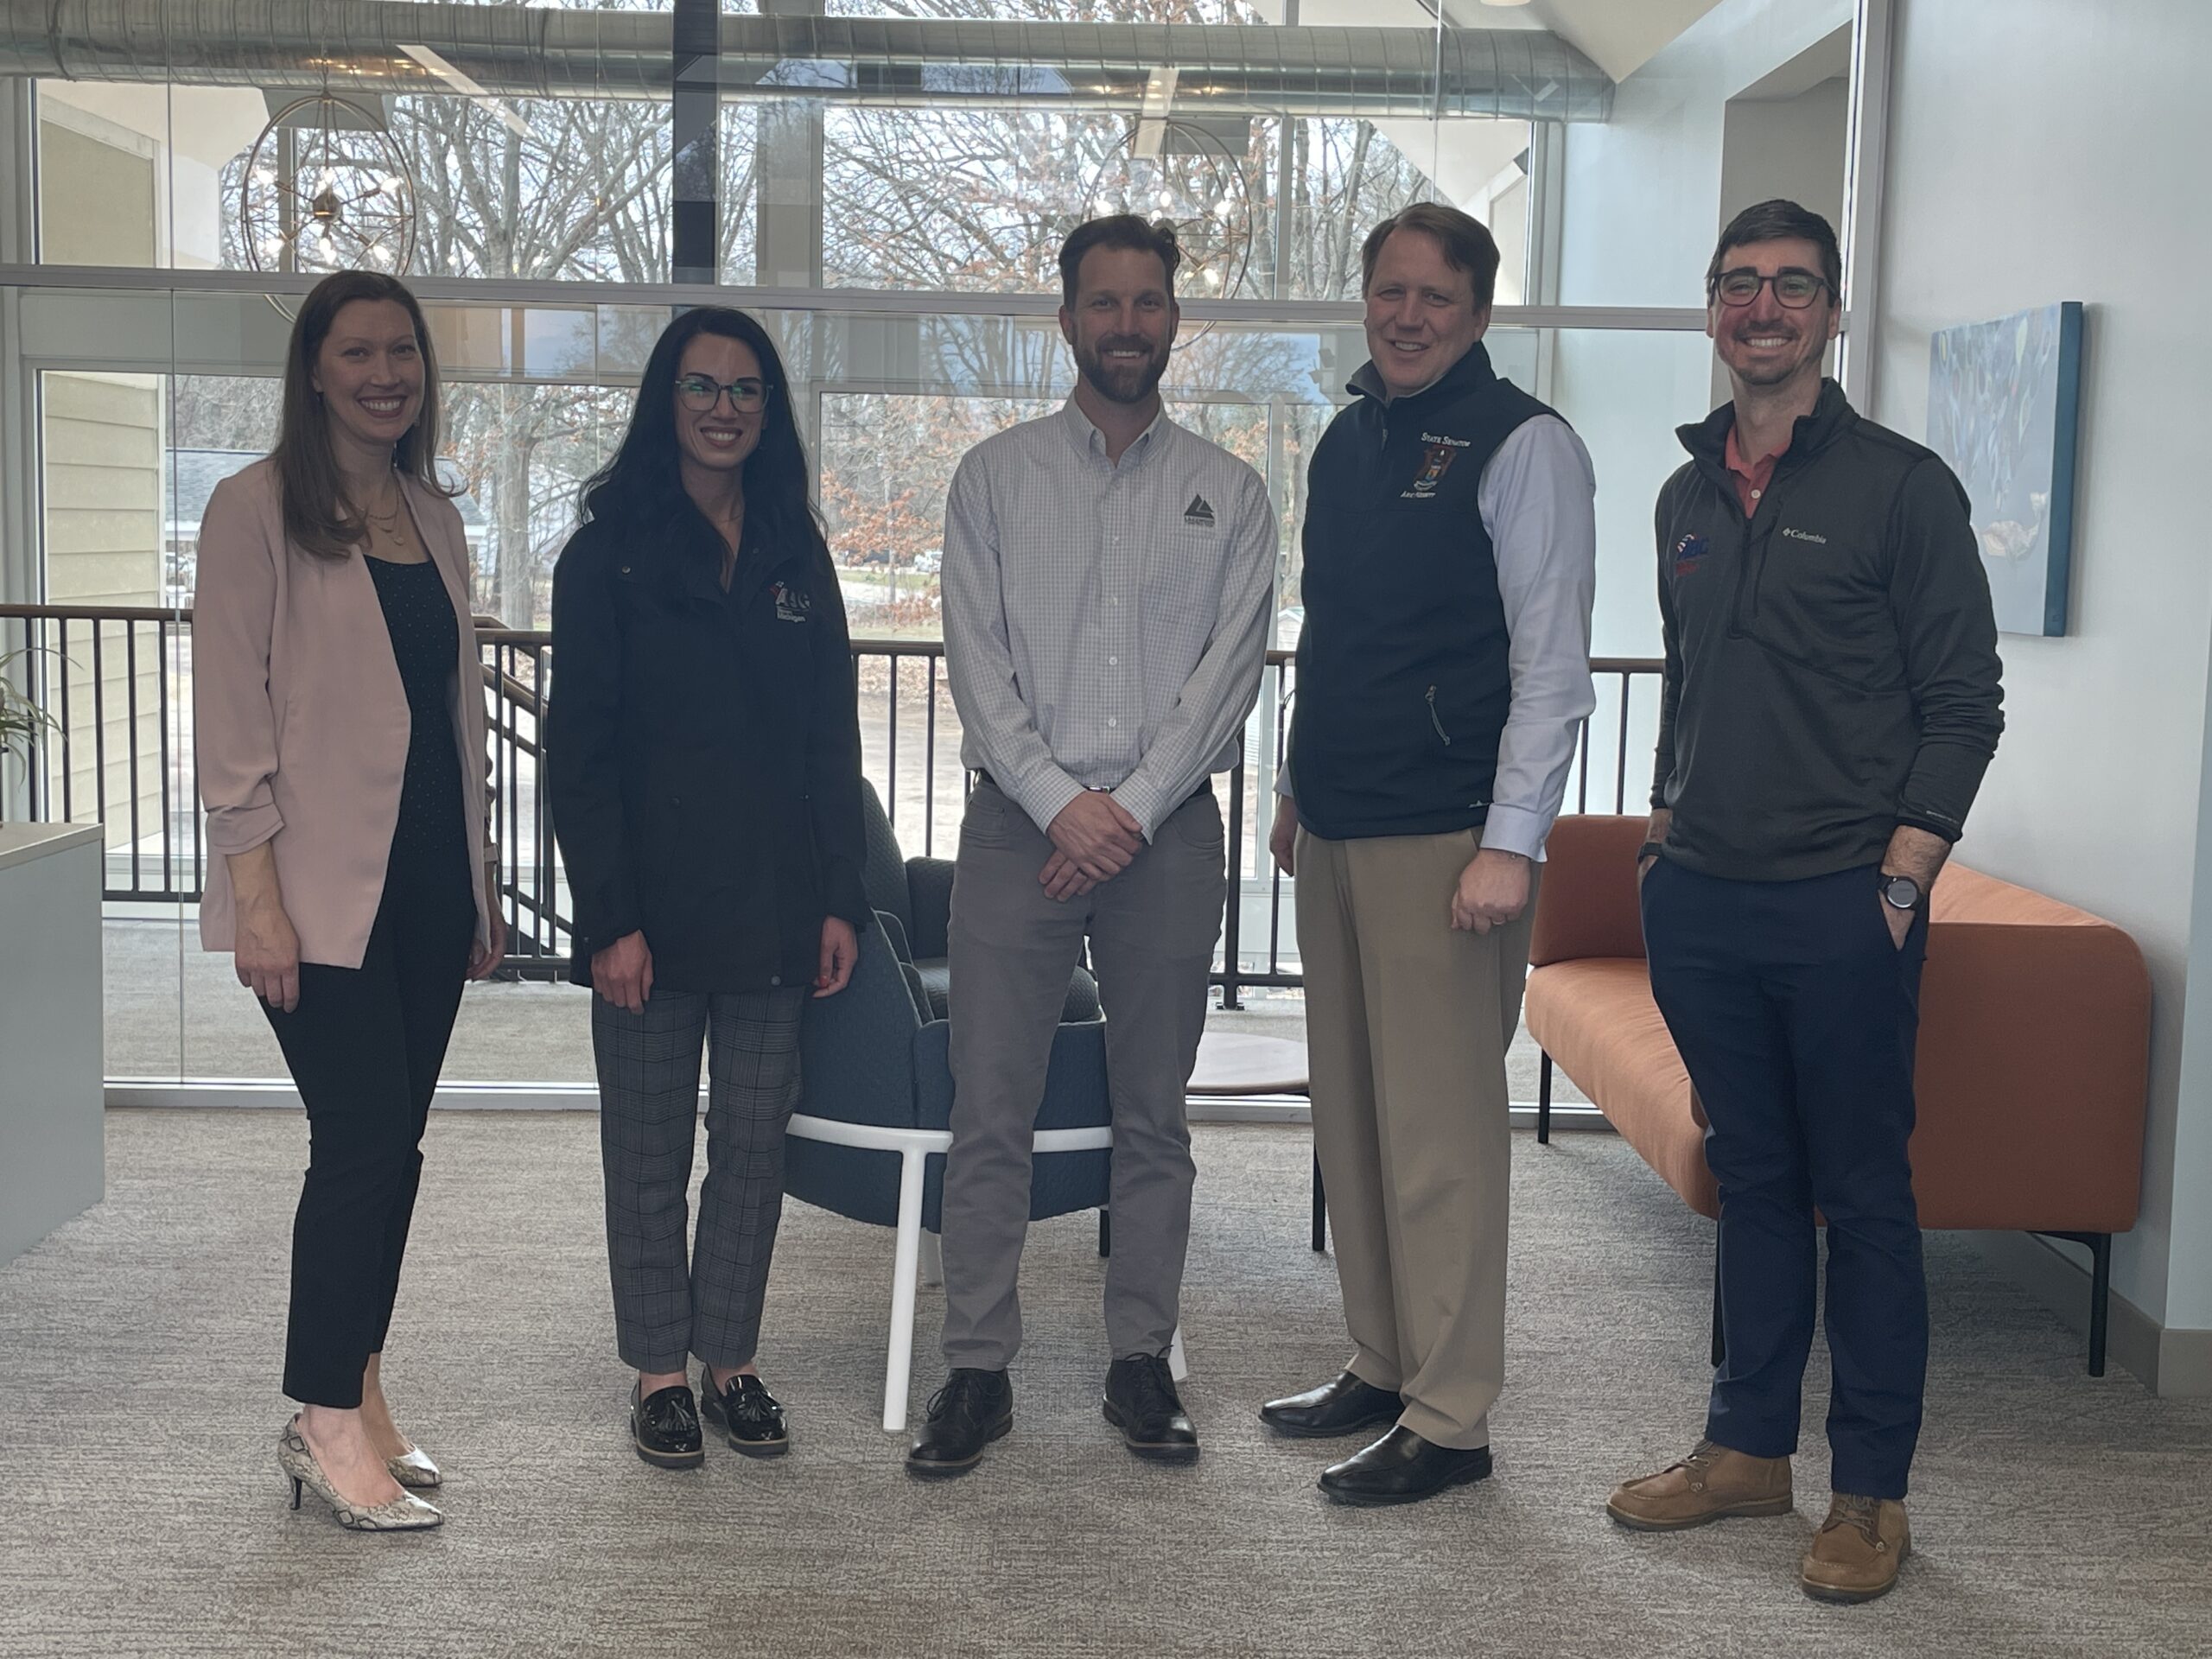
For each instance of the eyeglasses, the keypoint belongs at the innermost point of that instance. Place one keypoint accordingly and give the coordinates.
(1794, 289)
(702, 394)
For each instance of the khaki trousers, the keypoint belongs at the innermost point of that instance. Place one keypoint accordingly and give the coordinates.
(1407, 1025)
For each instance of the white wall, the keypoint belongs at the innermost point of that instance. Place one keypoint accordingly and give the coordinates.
(1620, 38)
(101, 437)
(1643, 189)
(1642, 206)
(2042, 150)
(193, 131)
(2189, 1259)
(1793, 147)
(1798, 147)
(83, 158)
(1467, 162)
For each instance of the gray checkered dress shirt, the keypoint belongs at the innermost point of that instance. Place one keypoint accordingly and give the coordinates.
(1104, 625)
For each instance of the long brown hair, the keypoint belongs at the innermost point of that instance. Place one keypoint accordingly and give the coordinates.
(316, 511)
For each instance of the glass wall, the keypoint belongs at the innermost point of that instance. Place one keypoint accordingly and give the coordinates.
(887, 186)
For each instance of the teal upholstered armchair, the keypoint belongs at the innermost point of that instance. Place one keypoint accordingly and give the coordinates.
(874, 1114)
(916, 894)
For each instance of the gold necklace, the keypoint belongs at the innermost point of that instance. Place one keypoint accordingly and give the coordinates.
(386, 524)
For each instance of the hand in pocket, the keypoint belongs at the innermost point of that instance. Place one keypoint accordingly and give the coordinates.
(1900, 922)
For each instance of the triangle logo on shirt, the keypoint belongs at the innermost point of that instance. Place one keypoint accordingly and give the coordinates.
(1200, 511)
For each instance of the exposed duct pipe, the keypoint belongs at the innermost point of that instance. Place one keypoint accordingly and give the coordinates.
(544, 52)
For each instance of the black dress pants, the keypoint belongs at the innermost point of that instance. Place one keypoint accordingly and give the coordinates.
(365, 1046)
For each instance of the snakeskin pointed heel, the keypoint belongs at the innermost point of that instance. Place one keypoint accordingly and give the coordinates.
(414, 1469)
(406, 1513)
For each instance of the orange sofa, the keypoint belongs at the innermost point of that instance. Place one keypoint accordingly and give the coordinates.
(2035, 1023)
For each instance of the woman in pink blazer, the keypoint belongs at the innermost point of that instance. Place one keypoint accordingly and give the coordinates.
(338, 715)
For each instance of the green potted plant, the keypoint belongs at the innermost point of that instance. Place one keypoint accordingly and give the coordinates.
(21, 720)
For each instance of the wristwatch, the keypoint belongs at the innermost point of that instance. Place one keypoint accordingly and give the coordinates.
(1901, 891)
(1649, 849)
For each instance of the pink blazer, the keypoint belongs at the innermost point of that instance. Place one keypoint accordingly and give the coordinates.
(301, 721)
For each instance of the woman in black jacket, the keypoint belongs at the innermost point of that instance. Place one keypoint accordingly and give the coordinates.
(703, 764)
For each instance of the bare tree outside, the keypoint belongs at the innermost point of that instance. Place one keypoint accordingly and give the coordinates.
(959, 198)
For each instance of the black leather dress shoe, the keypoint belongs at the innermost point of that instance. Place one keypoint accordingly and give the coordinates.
(1141, 1402)
(972, 1409)
(748, 1415)
(1336, 1408)
(1402, 1467)
(664, 1428)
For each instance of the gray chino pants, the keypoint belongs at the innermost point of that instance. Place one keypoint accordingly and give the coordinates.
(1151, 929)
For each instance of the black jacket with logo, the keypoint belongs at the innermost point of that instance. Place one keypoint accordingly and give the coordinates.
(1832, 666)
(1403, 677)
(702, 750)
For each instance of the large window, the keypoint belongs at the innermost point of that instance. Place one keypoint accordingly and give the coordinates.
(981, 200)
(888, 189)
(922, 161)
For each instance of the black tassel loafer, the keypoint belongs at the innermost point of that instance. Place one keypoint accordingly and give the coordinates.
(750, 1417)
(664, 1428)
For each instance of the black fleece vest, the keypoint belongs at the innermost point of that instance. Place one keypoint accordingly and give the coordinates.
(1404, 682)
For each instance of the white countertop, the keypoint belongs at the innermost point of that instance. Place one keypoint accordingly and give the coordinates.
(22, 842)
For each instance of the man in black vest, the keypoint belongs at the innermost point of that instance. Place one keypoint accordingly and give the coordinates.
(1831, 700)
(1443, 670)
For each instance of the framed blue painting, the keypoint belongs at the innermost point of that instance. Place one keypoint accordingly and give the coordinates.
(2003, 409)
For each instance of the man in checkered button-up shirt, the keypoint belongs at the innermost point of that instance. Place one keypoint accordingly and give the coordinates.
(1107, 580)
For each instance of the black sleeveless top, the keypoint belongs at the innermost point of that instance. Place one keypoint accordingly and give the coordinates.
(426, 644)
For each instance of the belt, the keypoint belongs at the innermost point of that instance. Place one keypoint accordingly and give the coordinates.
(1205, 787)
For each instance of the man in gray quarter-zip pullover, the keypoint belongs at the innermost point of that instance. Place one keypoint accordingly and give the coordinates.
(1107, 580)
(1831, 700)
(1443, 671)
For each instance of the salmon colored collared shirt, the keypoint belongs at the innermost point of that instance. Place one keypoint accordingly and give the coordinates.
(1752, 476)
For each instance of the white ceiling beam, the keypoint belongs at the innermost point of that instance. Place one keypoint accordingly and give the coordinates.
(1619, 37)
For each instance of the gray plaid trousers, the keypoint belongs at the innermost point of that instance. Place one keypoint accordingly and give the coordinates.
(665, 1308)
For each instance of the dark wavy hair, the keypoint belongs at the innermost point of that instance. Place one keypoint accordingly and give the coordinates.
(1780, 220)
(643, 477)
(317, 516)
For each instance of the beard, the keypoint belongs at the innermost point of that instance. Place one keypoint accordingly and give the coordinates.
(1122, 382)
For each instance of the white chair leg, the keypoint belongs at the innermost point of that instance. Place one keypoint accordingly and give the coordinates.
(933, 1259)
(1179, 1366)
(904, 1263)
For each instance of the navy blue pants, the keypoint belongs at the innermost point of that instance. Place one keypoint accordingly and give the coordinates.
(1796, 1012)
